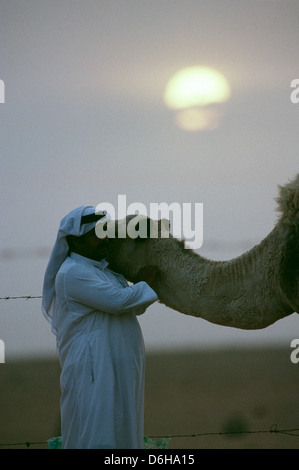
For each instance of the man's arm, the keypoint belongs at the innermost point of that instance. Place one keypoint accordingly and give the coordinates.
(99, 292)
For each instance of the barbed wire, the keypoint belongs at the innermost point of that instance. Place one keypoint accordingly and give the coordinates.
(27, 297)
(272, 430)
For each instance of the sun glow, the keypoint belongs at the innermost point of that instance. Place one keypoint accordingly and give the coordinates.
(195, 92)
(197, 119)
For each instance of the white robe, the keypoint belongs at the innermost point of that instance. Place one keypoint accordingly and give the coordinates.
(101, 352)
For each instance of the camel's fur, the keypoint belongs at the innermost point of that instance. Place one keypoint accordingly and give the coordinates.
(251, 291)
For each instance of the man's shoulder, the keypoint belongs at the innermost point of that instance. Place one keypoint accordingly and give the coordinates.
(78, 267)
(71, 267)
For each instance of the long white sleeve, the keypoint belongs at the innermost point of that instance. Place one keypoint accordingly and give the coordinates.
(95, 288)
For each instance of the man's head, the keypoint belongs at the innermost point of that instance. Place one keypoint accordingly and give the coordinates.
(88, 245)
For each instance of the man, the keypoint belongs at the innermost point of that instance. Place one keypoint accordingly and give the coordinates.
(93, 315)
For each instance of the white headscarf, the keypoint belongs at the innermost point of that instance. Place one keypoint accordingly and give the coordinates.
(69, 225)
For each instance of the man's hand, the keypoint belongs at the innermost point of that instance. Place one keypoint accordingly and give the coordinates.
(148, 274)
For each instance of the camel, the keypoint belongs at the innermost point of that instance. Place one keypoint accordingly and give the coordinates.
(251, 291)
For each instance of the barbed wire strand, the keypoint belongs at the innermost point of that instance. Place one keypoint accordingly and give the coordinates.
(27, 297)
(272, 430)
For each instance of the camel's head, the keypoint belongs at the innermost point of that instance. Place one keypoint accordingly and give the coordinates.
(130, 246)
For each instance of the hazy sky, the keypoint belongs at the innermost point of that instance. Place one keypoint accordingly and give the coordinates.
(84, 121)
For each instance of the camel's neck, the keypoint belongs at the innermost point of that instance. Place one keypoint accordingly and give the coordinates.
(243, 293)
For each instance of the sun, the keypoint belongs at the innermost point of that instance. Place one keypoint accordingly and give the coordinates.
(196, 94)
(196, 86)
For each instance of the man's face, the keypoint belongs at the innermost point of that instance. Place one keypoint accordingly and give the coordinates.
(91, 246)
